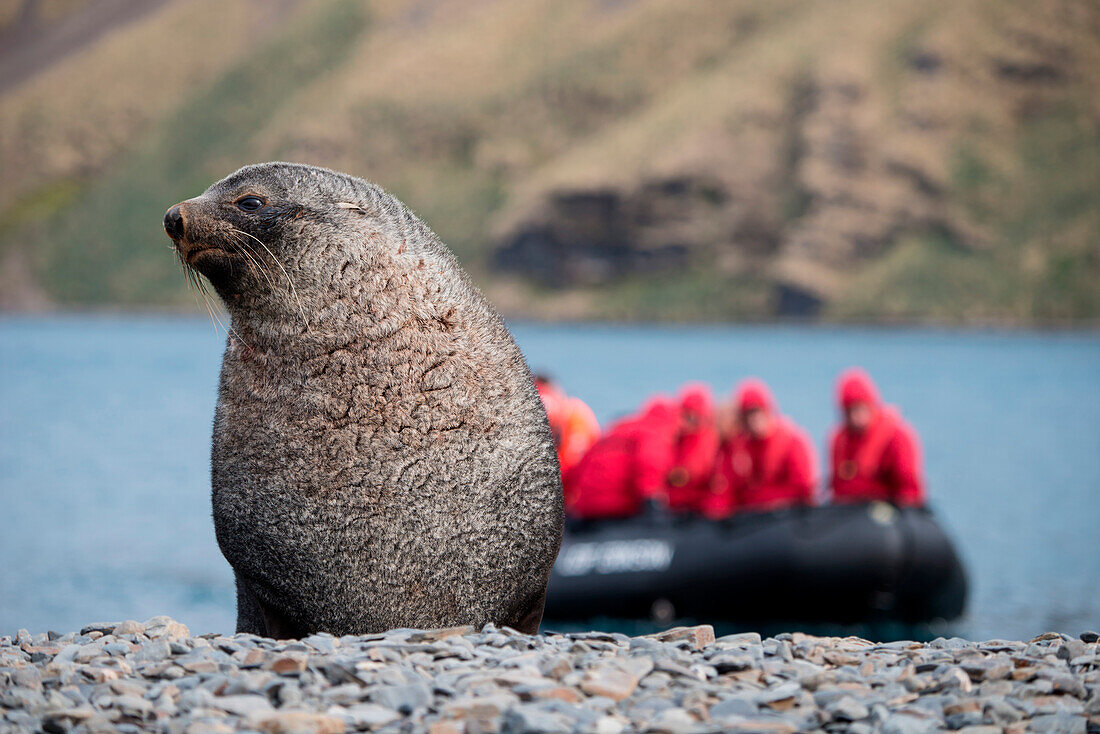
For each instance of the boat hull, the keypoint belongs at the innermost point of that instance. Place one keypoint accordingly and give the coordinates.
(843, 563)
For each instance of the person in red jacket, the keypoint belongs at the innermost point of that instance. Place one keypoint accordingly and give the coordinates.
(553, 398)
(767, 463)
(572, 423)
(694, 451)
(875, 454)
(626, 467)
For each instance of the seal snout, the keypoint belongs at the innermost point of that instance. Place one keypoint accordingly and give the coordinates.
(173, 223)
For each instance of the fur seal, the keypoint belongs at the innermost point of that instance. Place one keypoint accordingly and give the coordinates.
(380, 456)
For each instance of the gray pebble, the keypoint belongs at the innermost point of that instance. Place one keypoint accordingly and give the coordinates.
(242, 705)
(847, 708)
(1060, 723)
(530, 720)
(402, 698)
(152, 652)
(733, 708)
(732, 661)
(370, 716)
(906, 724)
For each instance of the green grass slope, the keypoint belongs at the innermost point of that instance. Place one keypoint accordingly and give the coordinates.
(914, 162)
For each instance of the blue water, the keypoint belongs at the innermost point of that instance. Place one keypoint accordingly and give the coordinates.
(105, 430)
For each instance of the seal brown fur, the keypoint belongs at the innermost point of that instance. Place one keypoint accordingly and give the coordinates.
(380, 456)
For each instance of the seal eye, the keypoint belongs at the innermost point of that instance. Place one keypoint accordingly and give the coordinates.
(249, 203)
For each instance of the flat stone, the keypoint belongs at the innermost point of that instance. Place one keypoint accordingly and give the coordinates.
(528, 720)
(483, 707)
(128, 627)
(905, 724)
(132, 705)
(370, 715)
(953, 679)
(698, 637)
(556, 692)
(117, 648)
(287, 664)
(243, 705)
(609, 682)
(779, 693)
(297, 722)
(743, 639)
(1071, 649)
(732, 661)
(440, 634)
(254, 658)
(165, 628)
(763, 726)
(733, 708)
(847, 708)
(983, 669)
(1060, 723)
(67, 653)
(672, 721)
(74, 714)
(404, 699)
(154, 651)
(200, 666)
(446, 727)
(325, 644)
(963, 720)
(1068, 685)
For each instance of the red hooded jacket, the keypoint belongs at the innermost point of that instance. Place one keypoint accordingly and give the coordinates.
(625, 467)
(572, 423)
(694, 450)
(767, 473)
(881, 463)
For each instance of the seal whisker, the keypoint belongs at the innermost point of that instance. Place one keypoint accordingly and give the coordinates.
(252, 258)
(213, 309)
(195, 284)
(293, 289)
(204, 297)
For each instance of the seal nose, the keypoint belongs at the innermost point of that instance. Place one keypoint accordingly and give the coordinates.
(173, 223)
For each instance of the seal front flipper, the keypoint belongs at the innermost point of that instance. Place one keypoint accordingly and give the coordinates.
(250, 616)
(529, 618)
(280, 627)
(255, 617)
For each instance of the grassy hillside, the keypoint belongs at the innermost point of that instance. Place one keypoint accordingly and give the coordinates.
(725, 159)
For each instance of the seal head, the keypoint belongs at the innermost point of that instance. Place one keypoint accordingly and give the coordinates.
(380, 455)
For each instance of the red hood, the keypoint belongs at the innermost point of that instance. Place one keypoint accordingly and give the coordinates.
(697, 399)
(753, 394)
(856, 386)
(660, 409)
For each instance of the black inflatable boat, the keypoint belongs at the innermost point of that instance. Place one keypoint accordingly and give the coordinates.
(843, 564)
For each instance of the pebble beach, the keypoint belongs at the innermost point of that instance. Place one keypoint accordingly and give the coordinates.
(155, 676)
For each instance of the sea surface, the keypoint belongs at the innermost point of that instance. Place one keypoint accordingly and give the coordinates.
(105, 436)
